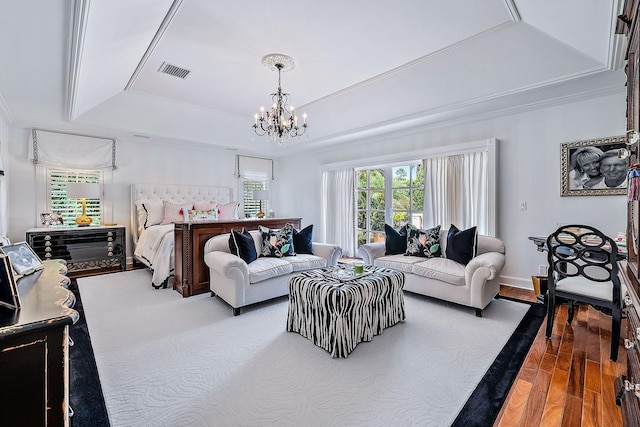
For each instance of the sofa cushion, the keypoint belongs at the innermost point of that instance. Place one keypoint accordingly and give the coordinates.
(395, 241)
(267, 267)
(302, 240)
(443, 269)
(302, 262)
(241, 244)
(462, 245)
(397, 262)
(277, 242)
(423, 243)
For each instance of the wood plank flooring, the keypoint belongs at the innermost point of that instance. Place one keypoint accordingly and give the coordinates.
(567, 380)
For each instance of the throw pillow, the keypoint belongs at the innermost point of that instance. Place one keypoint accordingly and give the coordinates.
(173, 212)
(150, 213)
(462, 246)
(200, 215)
(241, 244)
(395, 241)
(302, 240)
(423, 243)
(228, 211)
(205, 206)
(277, 243)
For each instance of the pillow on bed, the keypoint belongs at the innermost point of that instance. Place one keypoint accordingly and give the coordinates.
(205, 206)
(173, 212)
(200, 215)
(150, 212)
(228, 211)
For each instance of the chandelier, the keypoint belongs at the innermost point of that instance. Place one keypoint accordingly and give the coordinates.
(280, 123)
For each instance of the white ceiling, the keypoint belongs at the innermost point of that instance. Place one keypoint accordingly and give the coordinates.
(363, 67)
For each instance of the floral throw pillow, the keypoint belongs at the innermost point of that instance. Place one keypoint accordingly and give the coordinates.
(277, 243)
(423, 243)
(200, 215)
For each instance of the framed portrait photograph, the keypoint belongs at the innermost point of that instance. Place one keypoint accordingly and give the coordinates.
(22, 258)
(51, 218)
(593, 167)
(9, 296)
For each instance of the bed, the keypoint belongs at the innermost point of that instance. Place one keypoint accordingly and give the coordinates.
(153, 242)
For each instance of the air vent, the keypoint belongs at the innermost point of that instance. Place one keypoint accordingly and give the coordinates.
(173, 70)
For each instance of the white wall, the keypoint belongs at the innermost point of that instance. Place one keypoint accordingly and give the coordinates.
(528, 170)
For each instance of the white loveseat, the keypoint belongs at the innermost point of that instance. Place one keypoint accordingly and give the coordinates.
(473, 285)
(241, 284)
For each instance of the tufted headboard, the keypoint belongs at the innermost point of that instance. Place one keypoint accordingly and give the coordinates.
(174, 194)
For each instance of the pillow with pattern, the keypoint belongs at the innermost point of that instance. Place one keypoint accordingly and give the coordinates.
(200, 215)
(277, 242)
(423, 243)
(205, 206)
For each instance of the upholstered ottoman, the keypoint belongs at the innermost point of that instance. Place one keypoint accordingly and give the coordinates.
(336, 310)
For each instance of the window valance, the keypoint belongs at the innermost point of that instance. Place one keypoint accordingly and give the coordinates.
(254, 168)
(71, 151)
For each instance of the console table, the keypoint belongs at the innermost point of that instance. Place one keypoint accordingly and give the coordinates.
(34, 350)
(85, 249)
(191, 275)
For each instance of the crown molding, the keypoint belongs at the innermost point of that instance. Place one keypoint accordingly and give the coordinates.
(79, 17)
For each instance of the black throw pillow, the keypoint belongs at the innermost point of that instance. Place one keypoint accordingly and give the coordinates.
(395, 241)
(423, 242)
(277, 242)
(302, 240)
(462, 246)
(241, 244)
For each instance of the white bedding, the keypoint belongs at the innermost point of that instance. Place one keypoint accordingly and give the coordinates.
(155, 246)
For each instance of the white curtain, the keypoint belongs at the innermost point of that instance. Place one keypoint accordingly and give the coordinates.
(71, 151)
(254, 168)
(457, 191)
(338, 209)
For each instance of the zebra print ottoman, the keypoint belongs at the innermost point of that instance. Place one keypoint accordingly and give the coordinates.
(337, 313)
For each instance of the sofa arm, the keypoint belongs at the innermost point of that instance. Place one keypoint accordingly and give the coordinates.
(488, 265)
(370, 251)
(226, 264)
(328, 251)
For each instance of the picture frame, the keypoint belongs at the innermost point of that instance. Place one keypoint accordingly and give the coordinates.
(51, 218)
(22, 258)
(582, 172)
(9, 296)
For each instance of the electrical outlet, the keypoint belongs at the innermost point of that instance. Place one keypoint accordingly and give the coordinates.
(543, 269)
(523, 206)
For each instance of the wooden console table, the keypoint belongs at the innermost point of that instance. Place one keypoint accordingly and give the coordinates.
(34, 350)
(191, 275)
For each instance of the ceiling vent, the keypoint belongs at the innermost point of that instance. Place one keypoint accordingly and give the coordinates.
(173, 70)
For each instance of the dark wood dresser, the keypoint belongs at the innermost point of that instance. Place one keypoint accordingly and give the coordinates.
(628, 386)
(34, 351)
(191, 276)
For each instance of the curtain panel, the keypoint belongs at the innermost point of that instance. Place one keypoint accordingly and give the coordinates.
(338, 209)
(457, 191)
(71, 151)
(254, 168)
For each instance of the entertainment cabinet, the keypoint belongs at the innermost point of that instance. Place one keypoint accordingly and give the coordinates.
(191, 275)
(86, 249)
(34, 350)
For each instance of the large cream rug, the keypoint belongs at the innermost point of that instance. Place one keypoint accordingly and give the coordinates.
(165, 360)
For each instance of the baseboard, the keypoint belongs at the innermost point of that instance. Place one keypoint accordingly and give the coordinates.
(517, 282)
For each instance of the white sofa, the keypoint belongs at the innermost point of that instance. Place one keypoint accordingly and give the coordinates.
(241, 284)
(473, 285)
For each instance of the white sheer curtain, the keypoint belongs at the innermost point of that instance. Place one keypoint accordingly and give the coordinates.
(457, 191)
(338, 204)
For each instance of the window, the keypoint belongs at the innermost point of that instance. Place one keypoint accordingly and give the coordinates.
(388, 194)
(252, 206)
(71, 209)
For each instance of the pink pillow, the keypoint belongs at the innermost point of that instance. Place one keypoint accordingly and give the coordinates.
(228, 211)
(205, 206)
(174, 212)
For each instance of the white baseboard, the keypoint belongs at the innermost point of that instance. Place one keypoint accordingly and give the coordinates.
(516, 282)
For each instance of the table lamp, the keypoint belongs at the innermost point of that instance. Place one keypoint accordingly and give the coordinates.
(84, 191)
(260, 195)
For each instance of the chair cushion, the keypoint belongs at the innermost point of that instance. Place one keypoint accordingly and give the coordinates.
(302, 262)
(397, 262)
(267, 267)
(582, 286)
(442, 269)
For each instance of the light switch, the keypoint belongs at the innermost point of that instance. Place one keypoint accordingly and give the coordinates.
(523, 206)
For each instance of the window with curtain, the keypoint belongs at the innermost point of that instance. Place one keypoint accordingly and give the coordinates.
(252, 206)
(71, 209)
(392, 194)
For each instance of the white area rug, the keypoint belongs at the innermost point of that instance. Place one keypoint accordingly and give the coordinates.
(165, 360)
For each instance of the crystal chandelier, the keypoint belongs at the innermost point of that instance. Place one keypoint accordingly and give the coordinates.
(280, 123)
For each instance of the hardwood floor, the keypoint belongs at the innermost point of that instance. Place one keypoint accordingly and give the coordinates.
(567, 380)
